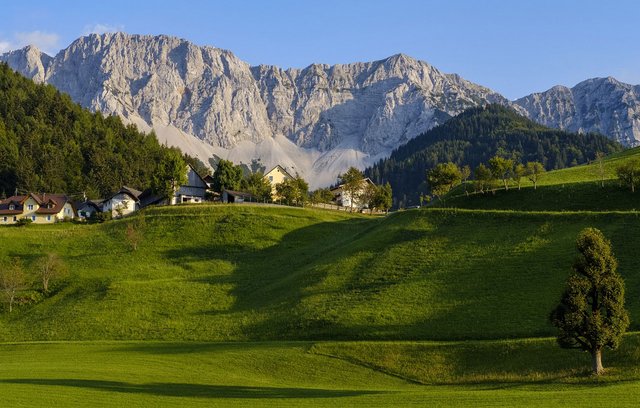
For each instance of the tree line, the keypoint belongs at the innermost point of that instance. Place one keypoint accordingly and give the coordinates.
(498, 172)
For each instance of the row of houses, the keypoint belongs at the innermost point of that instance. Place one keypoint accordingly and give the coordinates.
(51, 208)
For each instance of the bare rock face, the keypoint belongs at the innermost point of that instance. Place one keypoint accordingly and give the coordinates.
(373, 107)
(203, 91)
(602, 105)
(320, 119)
(29, 61)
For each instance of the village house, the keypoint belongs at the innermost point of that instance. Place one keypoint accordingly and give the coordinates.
(193, 191)
(87, 208)
(124, 202)
(39, 208)
(343, 198)
(275, 176)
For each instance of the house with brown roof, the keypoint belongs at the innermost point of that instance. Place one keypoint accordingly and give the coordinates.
(39, 208)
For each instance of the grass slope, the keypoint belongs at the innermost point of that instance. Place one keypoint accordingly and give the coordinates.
(142, 374)
(216, 273)
(571, 189)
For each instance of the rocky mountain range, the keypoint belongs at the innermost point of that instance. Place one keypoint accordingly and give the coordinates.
(316, 121)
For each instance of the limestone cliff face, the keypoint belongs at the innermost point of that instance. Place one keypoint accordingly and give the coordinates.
(29, 61)
(210, 93)
(373, 106)
(602, 105)
(319, 119)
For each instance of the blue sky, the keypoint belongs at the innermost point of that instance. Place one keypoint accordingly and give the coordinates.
(514, 47)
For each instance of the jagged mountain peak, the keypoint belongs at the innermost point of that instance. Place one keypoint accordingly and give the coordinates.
(319, 119)
(30, 61)
(604, 105)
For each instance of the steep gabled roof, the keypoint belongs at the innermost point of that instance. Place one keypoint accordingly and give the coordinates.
(55, 201)
(131, 192)
(282, 169)
(366, 180)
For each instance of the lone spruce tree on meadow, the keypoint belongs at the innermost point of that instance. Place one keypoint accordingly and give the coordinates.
(591, 313)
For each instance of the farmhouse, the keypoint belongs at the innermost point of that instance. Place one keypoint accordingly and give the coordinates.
(343, 198)
(275, 176)
(39, 208)
(89, 207)
(124, 202)
(193, 191)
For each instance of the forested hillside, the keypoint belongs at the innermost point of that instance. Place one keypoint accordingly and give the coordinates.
(48, 143)
(476, 135)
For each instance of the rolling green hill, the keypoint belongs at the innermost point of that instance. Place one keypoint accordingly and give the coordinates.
(212, 273)
(275, 306)
(576, 188)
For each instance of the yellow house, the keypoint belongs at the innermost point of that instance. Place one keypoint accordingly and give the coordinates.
(39, 208)
(275, 176)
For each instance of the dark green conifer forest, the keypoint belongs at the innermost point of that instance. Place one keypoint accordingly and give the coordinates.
(48, 143)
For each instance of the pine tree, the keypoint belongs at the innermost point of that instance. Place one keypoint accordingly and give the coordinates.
(591, 313)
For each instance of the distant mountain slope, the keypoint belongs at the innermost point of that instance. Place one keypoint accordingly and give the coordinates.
(317, 121)
(602, 105)
(476, 135)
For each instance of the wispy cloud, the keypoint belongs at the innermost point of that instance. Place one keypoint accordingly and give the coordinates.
(101, 28)
(47, 42)
(4, 46)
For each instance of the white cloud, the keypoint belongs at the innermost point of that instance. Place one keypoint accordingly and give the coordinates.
(100, 28)
(47, 42)
(4, 46)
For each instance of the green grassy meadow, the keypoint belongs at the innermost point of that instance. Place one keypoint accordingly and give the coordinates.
(141, 374)
(254, 273)
(572, 189)
(274, 306)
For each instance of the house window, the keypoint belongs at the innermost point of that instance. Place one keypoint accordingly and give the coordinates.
(30, 207)
(15, 218)
(48, 218)
(270, 178)
(4, 219)
(33, 218)
(12, 207)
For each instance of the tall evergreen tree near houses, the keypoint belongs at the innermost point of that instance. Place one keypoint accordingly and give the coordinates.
(591, 314)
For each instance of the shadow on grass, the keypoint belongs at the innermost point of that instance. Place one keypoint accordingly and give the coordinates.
(192, 390)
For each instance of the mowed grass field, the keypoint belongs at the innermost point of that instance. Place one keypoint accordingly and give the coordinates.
(296, 374)
(269, 306)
